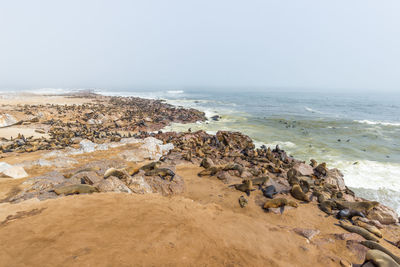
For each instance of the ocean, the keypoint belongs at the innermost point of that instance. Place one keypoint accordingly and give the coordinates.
(354, 132)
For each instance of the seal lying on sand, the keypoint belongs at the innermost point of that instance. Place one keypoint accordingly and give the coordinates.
(246, 186)
(75, 189)
(374, 245)
(358, 230)
(279, 203)
(379, 259)
(269, 191)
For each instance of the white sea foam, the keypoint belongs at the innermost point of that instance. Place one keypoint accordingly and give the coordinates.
(378, 122)
(372, 179)
(313, 110)
(175, 92)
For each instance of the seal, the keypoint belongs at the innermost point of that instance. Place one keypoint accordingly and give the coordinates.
(75, 189)
(119, 173)
(243, 201)
(362, 206)
(374, 245)
(369, 228)
(279, 203)
(89, 169)
(298, 193)
(358, 230)
(327, 206)
(269, 191)
(349, 214)
(151, 166)
(260, 181)
(246, 186)
(319, 195)
(208, 172)
(162, 172)
(380, 259)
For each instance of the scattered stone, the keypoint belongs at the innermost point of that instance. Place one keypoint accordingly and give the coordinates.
(243, 201)
(307, 233)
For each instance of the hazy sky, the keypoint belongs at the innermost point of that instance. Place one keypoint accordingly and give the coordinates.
(349, 44)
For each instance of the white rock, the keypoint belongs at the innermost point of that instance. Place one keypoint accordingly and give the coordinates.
(155, 148)
(7, 120)
(4, 166)
(15, 172)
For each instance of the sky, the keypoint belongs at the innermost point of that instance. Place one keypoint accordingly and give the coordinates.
(178, 44)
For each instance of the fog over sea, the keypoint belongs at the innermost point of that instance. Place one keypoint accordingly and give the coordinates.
(356, 132)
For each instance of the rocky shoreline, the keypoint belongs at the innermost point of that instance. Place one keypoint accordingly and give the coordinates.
(132, 155)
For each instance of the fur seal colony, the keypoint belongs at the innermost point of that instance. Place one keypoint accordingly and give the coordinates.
(231, 157)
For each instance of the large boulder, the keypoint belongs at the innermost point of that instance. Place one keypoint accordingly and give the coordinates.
(138, 184)
(15, 172)
(303, 169)
(335, 177)
(383, 214)
(165, 186)
(7, 120)
(112, 184)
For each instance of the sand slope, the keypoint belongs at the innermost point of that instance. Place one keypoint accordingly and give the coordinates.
(203, 227)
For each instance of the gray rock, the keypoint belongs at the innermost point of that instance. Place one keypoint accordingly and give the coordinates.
(303, 169)
(112, 184)
(307, 233)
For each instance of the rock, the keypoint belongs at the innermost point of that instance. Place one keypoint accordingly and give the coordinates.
(90, 178)
(4, 166)
(383, 214)
(155, 148)
(357, 249)
(307, 233)
(227, 178)
(112, 184)
(138, 184)
(335, 177)
(164, 186)
(303, 169)
(7, 120)
(243, 201)
(15, 172)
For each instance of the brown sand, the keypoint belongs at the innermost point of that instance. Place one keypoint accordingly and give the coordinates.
(203, 227)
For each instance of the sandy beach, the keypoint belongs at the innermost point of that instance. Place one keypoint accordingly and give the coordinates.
(150, 217)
